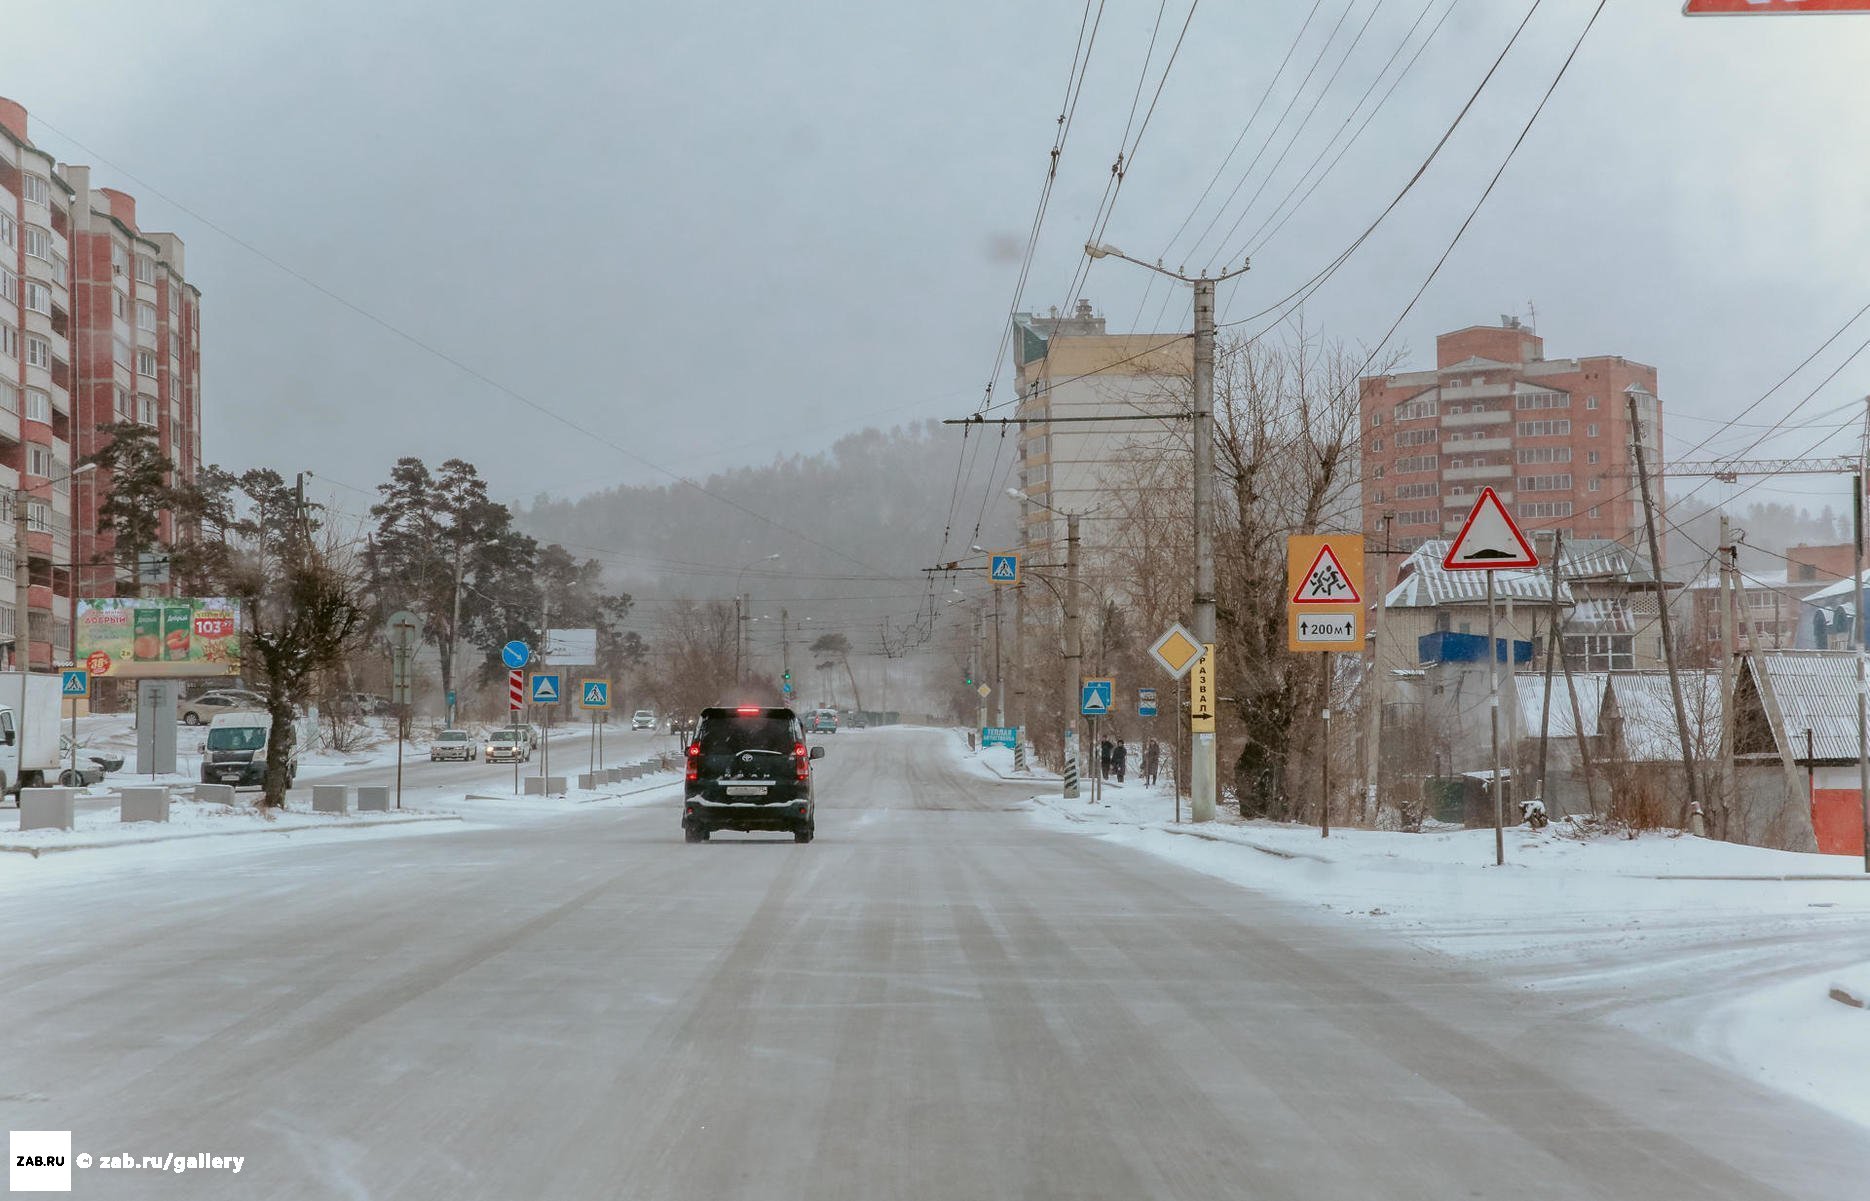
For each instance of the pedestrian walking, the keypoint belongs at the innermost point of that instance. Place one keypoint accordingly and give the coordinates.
(1152, 760)
(1103, 758)
(1119, 757)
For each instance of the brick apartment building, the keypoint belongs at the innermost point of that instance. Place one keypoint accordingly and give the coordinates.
(1551, 436)
(97, 325)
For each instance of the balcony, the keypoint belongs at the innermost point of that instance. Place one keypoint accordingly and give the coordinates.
(1495, 417)
(1475, 446)
(1474, 391)
(1497, 471)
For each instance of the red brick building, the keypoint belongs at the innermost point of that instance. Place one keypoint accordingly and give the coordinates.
(1551, 436)
(97, 325)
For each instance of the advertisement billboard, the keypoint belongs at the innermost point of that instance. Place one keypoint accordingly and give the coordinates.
(159, 637)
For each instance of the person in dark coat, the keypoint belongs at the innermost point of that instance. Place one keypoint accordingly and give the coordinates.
(1152, 759)
(1119, 757)
(1103, 759)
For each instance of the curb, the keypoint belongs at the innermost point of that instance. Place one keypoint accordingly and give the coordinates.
(36, 852)
(1205, 836)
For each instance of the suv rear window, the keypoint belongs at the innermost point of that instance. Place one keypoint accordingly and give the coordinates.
(731, 735)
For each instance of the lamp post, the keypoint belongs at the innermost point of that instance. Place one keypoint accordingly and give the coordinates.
(1202, 758)
(741, 651)
(1074, 642)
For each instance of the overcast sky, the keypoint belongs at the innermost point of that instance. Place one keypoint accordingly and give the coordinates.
(715, 231)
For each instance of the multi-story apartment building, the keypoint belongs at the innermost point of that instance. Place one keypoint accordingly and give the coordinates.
(1068, 369)
(97, 325)
(36, 388)
(1551, 436)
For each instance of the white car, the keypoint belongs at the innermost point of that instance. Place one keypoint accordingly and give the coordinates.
(453, 744)
(643, 719)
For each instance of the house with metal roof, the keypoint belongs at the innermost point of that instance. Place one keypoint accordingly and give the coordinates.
(1796, 748)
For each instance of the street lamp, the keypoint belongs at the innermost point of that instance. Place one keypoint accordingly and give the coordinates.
(1074, 637)
(741, 651)
(1202, 760)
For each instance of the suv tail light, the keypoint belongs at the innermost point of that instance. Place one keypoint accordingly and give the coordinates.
(694, 760)
(803, 759)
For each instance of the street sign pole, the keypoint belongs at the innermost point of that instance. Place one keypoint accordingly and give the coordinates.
(1324, 751)
(1493, 709)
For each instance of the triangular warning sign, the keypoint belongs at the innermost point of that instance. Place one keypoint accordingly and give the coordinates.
(1489, 539)
(593, 694)
(1326, 582)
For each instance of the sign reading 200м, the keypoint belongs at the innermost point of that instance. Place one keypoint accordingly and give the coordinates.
(159, 637)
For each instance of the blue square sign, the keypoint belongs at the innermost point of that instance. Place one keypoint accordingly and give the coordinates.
(544, 688)
(74, 683)
(1005, 569)
(1094, 699)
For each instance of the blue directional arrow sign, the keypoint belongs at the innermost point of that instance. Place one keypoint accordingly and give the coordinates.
(516, 654)
(1094, 698)
(545, 688)
(74, 683)
(1005, 569)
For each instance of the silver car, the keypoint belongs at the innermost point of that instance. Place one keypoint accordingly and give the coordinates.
(453, 744)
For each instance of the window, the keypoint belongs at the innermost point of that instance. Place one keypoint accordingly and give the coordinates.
(119, 259)
(1545, 454)
(1558, 428)
(124, 411)
(38, 518)
(148, 414)
(1417, 491)
(1596, 485)
(1419, 517)
(9, 341)
(120, 352)
(9, 397)
(38, 405)
(145, 269)
(1416, 438)
(1590, 402)
(61, 270)
(145, 316)
(1542, 399)
(1545, 483)
(1457, 490)
(1379, 473)
(1590, 456)
(8, 232)
(1545, 508)
(1590, 431)
(9, 286)
(39, 461)
(38, 191)
(38, 352)
(38, 297)
(1377, 446)
(1379, 496)
(175, 352)
(1415, 409)
(120, 304)
(146, 362)
(1454, 409)
(39, 242)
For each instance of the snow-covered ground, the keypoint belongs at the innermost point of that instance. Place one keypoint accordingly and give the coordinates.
(1728, 951)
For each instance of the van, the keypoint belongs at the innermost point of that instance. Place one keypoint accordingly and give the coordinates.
(238, 749)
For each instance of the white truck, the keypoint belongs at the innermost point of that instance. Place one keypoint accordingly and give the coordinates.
(39, 723)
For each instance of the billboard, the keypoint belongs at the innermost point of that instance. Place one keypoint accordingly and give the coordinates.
(159, 637)
(570, 648)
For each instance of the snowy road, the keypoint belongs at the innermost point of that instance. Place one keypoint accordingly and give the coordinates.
(937, 999)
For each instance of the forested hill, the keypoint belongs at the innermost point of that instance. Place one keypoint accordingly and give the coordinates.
(873, 505)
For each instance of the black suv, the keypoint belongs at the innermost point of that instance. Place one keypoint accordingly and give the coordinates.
(749, 769)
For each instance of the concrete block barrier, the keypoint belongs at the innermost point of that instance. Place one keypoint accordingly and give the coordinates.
(587, 780)
(48, 808)
(373, 798)
(145, 805)
(215, 794)
(544, 785)
(331, 798)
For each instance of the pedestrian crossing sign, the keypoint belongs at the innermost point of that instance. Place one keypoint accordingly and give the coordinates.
(595, 695)
(74, 684)
(545, 688)
(1005, 569)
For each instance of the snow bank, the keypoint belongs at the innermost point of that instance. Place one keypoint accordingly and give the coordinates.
(100, 828)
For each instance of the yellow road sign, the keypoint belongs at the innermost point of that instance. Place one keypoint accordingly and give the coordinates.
(1176, 650)
(1201, 699)
(1324, 577)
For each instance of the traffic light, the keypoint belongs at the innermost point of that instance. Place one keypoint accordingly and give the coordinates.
(788, 674)
(969, 681)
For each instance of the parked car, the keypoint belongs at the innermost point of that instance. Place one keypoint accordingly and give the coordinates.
(643, 719)
(508, 745)
(202, 710)
(371, 705)
(453, 744)
(855, 720)
(749, 769)
(92, 766)
(238, 748)
(821, 721)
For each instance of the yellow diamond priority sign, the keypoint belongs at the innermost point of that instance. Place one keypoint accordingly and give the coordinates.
(1176, 650)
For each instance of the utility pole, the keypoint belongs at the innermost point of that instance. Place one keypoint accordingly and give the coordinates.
(1662, 613)
(785, 650)
(999, 676)
(1493, 712)
(1730, 566)
(1379, 675)
(1862, 640)
(1202, 751)
(739, 624)
(1552, 644)
(1074, 657)
(980, 656)
(454, 639)
(1019, 678)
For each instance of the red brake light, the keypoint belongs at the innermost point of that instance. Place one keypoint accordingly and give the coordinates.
(748, 710)
(805, 760)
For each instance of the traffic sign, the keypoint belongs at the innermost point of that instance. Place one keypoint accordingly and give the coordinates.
(1005, 569)
(516, 654)
(1176, 650)
(1729, 8)
(74, 684)
(1201, 694)
(999, 735)
(983, 690)
(1489, 539)
(544, 688)
(1095, 695)
(1326, 581)
(1145, 702)
(1324, 610)
(404, 624)
(785, 686)
(515, 689)
(594, 694)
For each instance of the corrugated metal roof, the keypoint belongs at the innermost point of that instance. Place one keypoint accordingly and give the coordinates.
(1647, 707)
(1530, 687)
(1428, 584)
(1816, 691)
(1834, 592)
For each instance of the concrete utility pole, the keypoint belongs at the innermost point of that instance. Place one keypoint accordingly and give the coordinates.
(1729, 560)
(1863, 638)
(1074, 652)
(1019, 678)
(999, 675)
(1202, 753)
(1379, 675)
(980, 656)
(1662, 612)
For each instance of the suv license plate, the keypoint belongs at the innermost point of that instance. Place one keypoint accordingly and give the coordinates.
(746, 790)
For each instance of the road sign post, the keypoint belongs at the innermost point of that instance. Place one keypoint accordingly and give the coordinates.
(594, 698)
(1490, 540)
(74, 685)
(1004, 567)
(404, 627)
